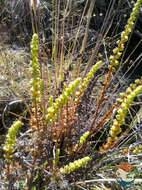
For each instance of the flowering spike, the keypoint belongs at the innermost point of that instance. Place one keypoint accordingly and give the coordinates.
(121, 112)
(74, 165)
(35, 82)
(86, 80)
(61, 100)
(124, 35)
(10, 139)
(83, 137)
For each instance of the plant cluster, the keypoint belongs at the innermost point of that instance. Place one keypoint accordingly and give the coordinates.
(55, 148)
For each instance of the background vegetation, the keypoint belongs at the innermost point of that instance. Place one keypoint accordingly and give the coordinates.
(70, 93)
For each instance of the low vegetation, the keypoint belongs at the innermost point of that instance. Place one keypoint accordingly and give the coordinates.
(80, 121)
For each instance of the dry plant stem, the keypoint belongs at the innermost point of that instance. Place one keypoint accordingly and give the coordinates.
(7, 167)
(77, 34)
(61, 128)
(87, 25)
(62, 63)
(55, 43)
(120, 139)
(72, 119)
(67, 124)
(35, 115)
(100, 38)
(30, 176)
(94, 55)
(104, 88)
(61, 67)
(106, 116)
